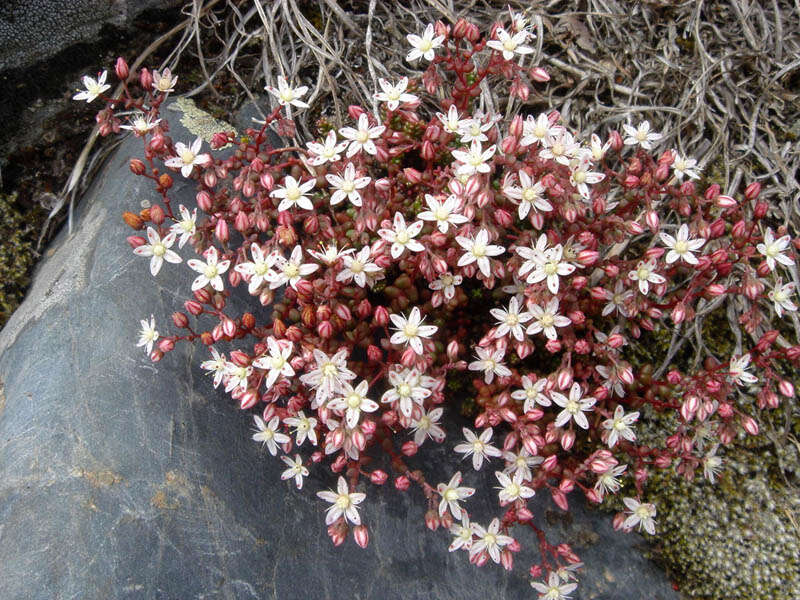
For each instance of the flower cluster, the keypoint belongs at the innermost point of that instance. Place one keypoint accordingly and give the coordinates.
(420, 264)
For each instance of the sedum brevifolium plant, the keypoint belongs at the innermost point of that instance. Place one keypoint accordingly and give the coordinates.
(434, 252)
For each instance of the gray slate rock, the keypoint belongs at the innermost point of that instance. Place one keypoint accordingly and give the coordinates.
(35, 30)
(122, 479)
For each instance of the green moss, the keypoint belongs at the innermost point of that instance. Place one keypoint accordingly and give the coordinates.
(17, 256)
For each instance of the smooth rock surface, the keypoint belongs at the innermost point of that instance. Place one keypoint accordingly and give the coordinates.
(34, 30)
(122, 479)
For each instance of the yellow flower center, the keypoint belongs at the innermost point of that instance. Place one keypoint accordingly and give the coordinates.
(410, 330)
(546, 320)
(528, 194)
(509, 45)
(348, 187)
(356, 266)
(210, 271)
(403, 237)
(451, 495)
(579, 176)
(442, 214)
(681, 246)
(343, 501)
(479, 250)
(187, 156)
(362, 136)
(354, 401)
(278, 362)
(551, 267)
(291, 270)
(404, 390)
(261, 268)
(159, 249)
(329, 369)
(293, 193)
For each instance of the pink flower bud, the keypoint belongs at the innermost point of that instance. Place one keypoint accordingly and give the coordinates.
(663, 461)
(560, 499)
(361, 535)
(725, 410)
(503, 218)
(355, 111)
(229, 329)
(634, 228)
(662, 172)
(715, 289)
(631, 181)
(337, 532)
(616, 340)
(409, 357)
(653, 221)
(412, 175)
(760, 210)
(432, 521)
(378, 477)
(427, 152)
(157, 215)
(750, 425)
(550, 462)
(121, 69)
(145, 79)
(325, 330)
(381, 318)
(786, 388)
(248, 399)
(484, 198)
(568, 439)
(553, 346)
(166, 345)
(539, 75)
(752, 191)
(509, 145)
(402, 483)
(726, 202)
(678, 313)
(409, 448)
(507, 559)
(241, 222)
(134, 241)
(564, 379)
(577, 317)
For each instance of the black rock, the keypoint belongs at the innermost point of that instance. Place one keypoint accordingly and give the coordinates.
(120, 478)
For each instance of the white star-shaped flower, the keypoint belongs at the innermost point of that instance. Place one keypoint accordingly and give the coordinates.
(538, 130)
(402, 236)
(186, 227)
(474, 160)
(478, 250)
(521, 462)
(532, 393)
(93, 88)
(347, 185)
(681, 247)
(645, 274)
(188, 156)
(547, 319)
(738, 370)
(553, 589)
(343, 503)
(217, 365)
(452, 121)
(304, 428)
(640, 135)
(268, 433)
(259, 271)
(140, 124)
(574, 406)
(410, 331)
(489, 540)
(210, 271)
(394, 95)
(463, 534)
(353, 402)
(510, 44)
(642, 514)
(478, 447)
(684, 166)
(147, 334)
(329, 375)
(423, 47)
(491, 363)
(447, 283)
(328, 151)
(444, 213)
(560, 147)
(619, 426)
(406, 392)
(451, 494)
(290, 270)
(293, 193)
(427, 426)
(510, 320)
(358, 268)
(277, 362)
(545, 264)
(581, 177)
(772, 249)
(780, 296)
(330, 254)
(287, 95)
(361, 138)
(158, 250)
(529, 195)
(296, 470)
(512, 489)
(164, 82)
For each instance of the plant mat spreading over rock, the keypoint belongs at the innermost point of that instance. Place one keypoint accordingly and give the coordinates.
(719, 78)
